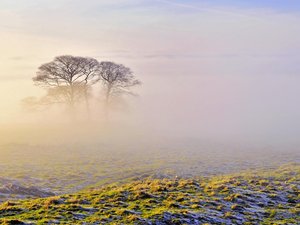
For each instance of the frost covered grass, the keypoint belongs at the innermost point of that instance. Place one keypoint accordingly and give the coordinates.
(257, 197)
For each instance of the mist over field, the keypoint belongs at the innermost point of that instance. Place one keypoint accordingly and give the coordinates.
(241, 87)
(209, 72)
(131, 112)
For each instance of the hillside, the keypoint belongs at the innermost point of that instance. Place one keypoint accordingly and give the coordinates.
(256, 197)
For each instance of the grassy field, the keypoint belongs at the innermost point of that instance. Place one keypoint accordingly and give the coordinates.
(259, 197)
(159, 181)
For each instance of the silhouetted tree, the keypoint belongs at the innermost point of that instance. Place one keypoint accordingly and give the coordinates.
(67, 78)
(117, 79)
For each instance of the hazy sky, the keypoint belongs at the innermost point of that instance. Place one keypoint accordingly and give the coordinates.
(229, 67)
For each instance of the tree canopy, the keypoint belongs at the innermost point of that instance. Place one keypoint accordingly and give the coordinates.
(69, 80)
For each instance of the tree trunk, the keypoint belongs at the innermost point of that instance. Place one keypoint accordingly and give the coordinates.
(107, 98)
(87, 103)
(72, 103)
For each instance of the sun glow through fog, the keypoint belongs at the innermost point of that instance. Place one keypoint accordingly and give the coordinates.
(213, 69)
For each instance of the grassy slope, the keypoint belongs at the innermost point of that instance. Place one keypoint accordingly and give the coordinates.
(261, 197)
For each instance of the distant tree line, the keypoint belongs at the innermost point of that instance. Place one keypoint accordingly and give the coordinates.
(69, 80)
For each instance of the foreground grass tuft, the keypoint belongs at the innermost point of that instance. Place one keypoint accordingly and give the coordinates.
(264, 197)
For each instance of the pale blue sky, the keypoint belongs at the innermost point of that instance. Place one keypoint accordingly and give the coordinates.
(280, 5)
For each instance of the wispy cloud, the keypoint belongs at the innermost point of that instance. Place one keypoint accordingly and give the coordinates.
(218, 10)
(222, 6)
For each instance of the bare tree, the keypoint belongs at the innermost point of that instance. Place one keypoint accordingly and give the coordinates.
(66, 77)
(117, 79)
(68, 80)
